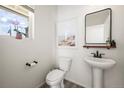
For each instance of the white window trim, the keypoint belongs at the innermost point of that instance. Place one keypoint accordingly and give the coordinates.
(31, 23)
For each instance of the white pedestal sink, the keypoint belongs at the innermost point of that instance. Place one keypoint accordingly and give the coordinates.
(98, 65)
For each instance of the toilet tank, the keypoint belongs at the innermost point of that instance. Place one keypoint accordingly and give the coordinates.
(64, 63)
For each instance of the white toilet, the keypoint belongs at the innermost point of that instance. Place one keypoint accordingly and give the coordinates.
(55, 77)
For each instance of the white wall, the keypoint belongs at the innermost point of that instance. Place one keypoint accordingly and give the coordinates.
(15, 53)
(80, 72)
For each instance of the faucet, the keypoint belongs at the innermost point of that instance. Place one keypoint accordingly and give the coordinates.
(97, 54)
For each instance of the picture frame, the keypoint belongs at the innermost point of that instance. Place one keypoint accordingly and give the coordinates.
(66, 33)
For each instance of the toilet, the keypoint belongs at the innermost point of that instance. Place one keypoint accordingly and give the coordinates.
(55, 77)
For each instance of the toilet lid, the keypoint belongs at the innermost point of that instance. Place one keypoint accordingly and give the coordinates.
(55, 75)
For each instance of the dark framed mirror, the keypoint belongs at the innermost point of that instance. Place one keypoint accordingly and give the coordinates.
(98, 29)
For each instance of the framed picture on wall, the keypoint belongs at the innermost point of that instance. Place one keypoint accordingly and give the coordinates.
(66, 33)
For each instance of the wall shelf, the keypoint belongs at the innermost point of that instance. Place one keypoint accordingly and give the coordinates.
(108, 47)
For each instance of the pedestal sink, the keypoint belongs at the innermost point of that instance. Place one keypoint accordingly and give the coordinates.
(98, 65)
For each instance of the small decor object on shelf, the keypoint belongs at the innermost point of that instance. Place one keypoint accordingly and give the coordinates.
(113, 43)
(108, 42)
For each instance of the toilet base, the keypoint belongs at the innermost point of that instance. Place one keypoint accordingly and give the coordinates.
(55, 86)
(60, 85)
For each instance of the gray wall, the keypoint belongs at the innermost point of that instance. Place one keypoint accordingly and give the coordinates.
(15, 53)
(80, 72)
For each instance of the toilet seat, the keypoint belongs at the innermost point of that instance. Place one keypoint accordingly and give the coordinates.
(55, 75)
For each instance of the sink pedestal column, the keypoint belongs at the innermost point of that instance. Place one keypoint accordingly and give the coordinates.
(97, 78)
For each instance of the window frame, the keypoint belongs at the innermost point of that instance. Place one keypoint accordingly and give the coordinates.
(30, 19)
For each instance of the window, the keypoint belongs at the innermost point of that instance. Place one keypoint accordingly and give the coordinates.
(16, 21)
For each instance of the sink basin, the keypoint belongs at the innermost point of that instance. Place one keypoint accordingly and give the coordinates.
(98, 65)
(101, 63)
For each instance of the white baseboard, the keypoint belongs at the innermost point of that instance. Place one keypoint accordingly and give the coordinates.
(75, 82)
(38, 86)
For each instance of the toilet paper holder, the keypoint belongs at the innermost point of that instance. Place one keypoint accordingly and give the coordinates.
(30, 64)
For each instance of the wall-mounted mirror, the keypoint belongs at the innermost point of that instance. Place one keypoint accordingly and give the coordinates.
(98, 28)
